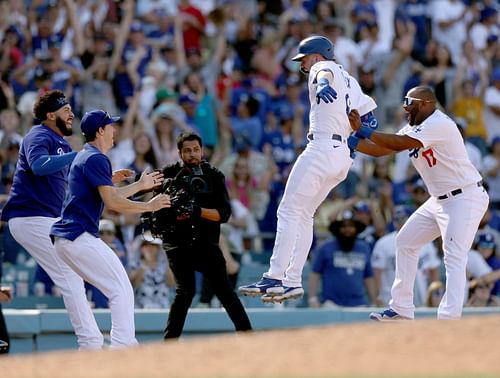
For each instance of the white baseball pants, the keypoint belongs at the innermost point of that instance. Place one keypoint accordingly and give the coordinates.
(33, 234)
(456, 219)
(97, 264)
(321, 167)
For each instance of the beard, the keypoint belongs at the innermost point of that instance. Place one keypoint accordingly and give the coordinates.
(346, 243)
(61, 125)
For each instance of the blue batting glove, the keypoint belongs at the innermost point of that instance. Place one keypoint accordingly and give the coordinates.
(325, 92)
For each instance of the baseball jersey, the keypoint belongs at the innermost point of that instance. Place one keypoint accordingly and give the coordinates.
(384, 258)
(442, 163)
(343, 273)
(33, 195)
(83, 205)
(327, 119)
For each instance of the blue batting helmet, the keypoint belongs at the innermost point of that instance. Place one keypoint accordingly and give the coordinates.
(315, 45)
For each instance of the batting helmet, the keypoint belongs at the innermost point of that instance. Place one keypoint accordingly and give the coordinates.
(315, 45)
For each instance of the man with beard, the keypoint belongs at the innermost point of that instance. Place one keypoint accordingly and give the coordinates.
(35, 203)
(453, 211)
(191, 235)
(343, 266)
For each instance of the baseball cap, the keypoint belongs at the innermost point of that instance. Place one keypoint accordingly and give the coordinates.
(148, 238)
(94, 120)
(136, 26)
(106, 225)
(486, 240)
(362, 207)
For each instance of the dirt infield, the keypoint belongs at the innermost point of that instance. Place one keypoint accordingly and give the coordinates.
(465, 348)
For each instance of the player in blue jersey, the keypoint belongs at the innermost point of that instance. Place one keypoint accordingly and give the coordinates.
(35, 203)
(76, 234)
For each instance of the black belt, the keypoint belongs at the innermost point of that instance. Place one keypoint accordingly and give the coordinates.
(457, 191)
(334, 137)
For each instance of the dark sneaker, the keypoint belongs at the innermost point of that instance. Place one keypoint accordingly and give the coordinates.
(264, 286)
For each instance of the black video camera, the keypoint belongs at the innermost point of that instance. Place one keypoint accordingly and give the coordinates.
(182, 190)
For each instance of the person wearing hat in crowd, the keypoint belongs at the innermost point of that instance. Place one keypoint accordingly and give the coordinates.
(75, 235)
(343, 267)
(150, 274)
(35, 203)
(486, 245)
(491, 172)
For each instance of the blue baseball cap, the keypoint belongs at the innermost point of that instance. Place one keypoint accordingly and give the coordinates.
(486, 240)
(94, 120)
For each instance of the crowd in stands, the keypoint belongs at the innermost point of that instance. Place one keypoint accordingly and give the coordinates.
(222, 68)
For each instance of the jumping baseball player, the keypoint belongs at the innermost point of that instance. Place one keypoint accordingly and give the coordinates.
(76, 234)
(35, 203)
(458, 200)
(321, 167)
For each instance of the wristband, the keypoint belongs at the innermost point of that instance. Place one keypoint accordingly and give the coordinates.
(365, 132)
(353, 141)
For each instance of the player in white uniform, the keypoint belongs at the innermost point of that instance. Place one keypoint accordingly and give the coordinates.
(383, 261)
(76, 234)
(321, 167)
(458, 200)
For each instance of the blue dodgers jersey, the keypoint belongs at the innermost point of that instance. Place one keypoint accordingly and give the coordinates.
(33, 195)
(83, 206)
(343, 273)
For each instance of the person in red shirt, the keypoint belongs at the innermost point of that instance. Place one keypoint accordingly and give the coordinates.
(193, 22)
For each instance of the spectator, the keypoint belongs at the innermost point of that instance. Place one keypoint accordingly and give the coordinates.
(473, 152)
(485, 244)
(150, 275)
(491, 110)
(491, 172)
(343, 267)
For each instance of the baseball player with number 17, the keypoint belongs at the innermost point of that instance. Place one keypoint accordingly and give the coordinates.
(321, 167)
(458, 200)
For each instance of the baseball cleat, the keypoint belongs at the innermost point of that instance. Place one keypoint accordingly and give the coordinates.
(264, 286)
(387, 315)
(288, 293)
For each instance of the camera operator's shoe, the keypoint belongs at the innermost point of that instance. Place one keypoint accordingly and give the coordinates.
(4, 346)
(288, 293)
(387, 316)
(264, 286)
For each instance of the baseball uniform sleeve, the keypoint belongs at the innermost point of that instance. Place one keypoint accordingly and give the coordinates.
(98, 170)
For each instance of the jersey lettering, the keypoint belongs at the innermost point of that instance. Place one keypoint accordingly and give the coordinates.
(347, 104)
(414, 153)
(429, 156)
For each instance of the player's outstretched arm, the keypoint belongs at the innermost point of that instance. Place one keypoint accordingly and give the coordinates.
(148, 181)
(389, 142)
(113, 200)
(48, 164)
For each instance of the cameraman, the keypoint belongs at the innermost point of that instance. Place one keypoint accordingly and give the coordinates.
(191, 234)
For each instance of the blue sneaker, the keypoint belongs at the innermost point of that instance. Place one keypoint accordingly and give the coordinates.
(264, 286)
(387, 315)
(289, 292)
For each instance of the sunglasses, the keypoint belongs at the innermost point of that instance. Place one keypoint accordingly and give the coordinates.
(408, 101)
